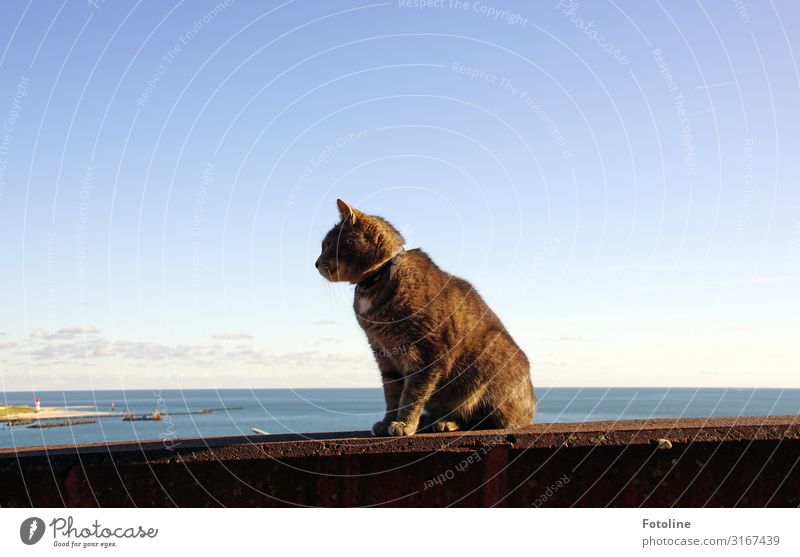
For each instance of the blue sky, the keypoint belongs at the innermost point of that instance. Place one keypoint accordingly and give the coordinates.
(618, 179)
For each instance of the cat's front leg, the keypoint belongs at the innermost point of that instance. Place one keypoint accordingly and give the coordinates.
(392, 389)
(417, 390)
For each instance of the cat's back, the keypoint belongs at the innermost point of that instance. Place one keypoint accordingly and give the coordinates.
(416, 269)
(420, 278)
(430, 289)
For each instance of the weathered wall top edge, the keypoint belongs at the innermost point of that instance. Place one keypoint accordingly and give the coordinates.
(685, 430)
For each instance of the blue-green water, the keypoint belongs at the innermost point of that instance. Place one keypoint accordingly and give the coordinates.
(313, 410)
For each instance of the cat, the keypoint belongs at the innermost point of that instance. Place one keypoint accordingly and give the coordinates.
(447, 362)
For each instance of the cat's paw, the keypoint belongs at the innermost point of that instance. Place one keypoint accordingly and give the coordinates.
(380, 429)
(401, 429)
(445, 425)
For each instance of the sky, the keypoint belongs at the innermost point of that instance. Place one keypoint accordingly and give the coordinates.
(618, 179)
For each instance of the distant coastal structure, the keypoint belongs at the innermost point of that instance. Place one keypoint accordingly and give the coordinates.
(21, 415)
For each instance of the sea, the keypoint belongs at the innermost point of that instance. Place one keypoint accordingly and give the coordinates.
(238, 411)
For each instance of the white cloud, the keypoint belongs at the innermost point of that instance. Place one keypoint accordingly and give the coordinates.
(330, 340)
(232, 336)
(66, 333)
(60, 348)
(78, 330)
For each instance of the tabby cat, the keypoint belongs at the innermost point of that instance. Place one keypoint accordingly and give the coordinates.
(446, 360)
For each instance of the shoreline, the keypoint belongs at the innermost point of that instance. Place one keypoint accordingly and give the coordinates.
(26, 415)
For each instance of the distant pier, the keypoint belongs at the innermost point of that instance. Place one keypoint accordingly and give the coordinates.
(20, 415)
(75, 415)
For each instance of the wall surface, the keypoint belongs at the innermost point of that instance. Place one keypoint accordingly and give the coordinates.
(750, 462)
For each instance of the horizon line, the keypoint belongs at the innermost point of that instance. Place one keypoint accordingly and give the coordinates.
(683, 387)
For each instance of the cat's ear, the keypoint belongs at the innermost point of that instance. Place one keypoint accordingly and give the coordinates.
(346, 212)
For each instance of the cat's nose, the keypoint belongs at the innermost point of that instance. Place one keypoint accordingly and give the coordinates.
(318, 262)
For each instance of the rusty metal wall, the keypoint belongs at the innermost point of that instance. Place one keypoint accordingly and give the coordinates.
(726, 462)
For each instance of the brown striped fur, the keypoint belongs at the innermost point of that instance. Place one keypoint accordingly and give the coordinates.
(446, 360)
